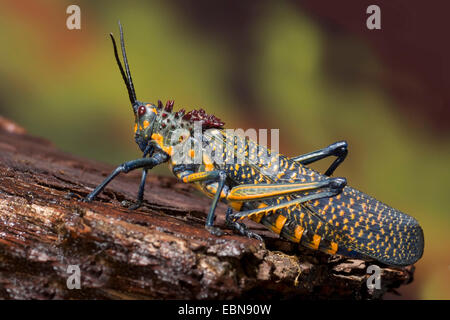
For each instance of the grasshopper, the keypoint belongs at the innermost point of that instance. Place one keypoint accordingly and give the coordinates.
(298, 203)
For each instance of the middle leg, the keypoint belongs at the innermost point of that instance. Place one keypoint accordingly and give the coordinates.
(214, 176)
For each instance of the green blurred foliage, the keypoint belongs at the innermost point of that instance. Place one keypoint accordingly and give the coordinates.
(65, 86)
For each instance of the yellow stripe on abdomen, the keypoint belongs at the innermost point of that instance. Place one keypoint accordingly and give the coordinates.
(334, 248)
(331, 249)
(316, 241)
(279, 224)
(298, 233)
(257, 217)
(313, 243)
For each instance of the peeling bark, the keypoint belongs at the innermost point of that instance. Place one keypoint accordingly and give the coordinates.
(160, 251)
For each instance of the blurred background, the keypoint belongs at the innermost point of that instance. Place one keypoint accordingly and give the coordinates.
(310, 68)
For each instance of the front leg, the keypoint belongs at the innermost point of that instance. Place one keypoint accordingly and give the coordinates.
(140, 197)
(154, 160)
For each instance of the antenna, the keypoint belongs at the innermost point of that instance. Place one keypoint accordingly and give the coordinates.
(125, 61)
(126, 77)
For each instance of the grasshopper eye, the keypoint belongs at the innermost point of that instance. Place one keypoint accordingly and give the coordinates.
(141, 111)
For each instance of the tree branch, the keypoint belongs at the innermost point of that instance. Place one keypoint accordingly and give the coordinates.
(160, 251)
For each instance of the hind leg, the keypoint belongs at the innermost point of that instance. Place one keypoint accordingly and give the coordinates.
(240, 227)
(338, 149)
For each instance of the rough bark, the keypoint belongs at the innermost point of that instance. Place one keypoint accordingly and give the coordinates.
(160, 251)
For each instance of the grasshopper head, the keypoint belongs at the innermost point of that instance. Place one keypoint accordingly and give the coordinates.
(145, 118)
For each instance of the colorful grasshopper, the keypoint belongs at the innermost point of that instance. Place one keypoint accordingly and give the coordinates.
(281, 193)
